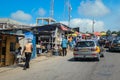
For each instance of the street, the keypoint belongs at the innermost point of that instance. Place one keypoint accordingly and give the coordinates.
(66, 68)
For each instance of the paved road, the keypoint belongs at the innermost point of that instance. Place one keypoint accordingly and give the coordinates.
(65, 68)
(108, 68)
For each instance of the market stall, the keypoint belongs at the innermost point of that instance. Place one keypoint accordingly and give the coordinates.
(8, 45)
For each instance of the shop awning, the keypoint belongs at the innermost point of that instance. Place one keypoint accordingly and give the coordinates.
(63, 28)
(103, 34)
(97, 33)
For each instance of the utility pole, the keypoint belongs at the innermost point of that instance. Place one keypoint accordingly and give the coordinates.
(93, 22)
(69, 12)
(51, 15)
(52, 9)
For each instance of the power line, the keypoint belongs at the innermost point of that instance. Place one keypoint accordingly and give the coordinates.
(93, 22)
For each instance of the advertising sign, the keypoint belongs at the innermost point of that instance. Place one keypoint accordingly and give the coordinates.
(28, 35)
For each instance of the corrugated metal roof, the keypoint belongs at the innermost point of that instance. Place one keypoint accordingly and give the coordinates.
(10, 21)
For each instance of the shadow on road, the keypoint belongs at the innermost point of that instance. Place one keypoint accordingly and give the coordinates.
(20, 65)
(112, 51)
(82, 60)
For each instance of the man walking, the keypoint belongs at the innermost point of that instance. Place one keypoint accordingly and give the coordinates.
(28, 51)
(64, 46)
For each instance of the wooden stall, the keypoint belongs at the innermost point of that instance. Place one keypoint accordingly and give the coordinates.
(8, 45)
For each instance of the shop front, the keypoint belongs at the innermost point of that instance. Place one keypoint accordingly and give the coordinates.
(8, 45)
(49, 38)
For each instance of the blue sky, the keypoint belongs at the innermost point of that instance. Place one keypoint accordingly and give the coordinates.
(106, 13)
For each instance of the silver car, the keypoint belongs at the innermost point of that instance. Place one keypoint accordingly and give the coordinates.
(87, 49)
(115, 45)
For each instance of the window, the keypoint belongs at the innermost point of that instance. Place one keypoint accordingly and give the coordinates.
(12, 46)
(85, 44)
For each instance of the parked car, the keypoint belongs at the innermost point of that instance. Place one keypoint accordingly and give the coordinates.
(115, 45)
(118, 37)
(88, 49)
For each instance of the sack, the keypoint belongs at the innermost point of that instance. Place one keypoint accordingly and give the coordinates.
(19, 56)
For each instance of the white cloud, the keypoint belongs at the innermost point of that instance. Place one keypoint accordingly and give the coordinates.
(34, 24)
(86, 25)
(21, 15)
(93, 9)
(64, 22)
(41, 12)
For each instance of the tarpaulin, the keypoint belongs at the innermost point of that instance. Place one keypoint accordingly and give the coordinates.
(63, 28)
(97, 33)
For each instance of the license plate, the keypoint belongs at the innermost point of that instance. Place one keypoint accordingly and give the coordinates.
(83, 50)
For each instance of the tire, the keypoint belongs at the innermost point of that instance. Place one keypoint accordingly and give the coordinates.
(111, 50)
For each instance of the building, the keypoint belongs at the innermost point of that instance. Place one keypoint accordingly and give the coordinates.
(44, 21)
(8, 45)
(6, 23)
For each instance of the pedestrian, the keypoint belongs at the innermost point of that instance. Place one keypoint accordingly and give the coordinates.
(17, 56)
(64, 45)
(70, 42)
(28, 48)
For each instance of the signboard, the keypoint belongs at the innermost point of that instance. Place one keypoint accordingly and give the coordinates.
(28, 35)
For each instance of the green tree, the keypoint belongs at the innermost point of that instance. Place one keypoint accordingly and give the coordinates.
(102, 31)
(114, 32)
(87, 32)
(108, 33)
(118, 33)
